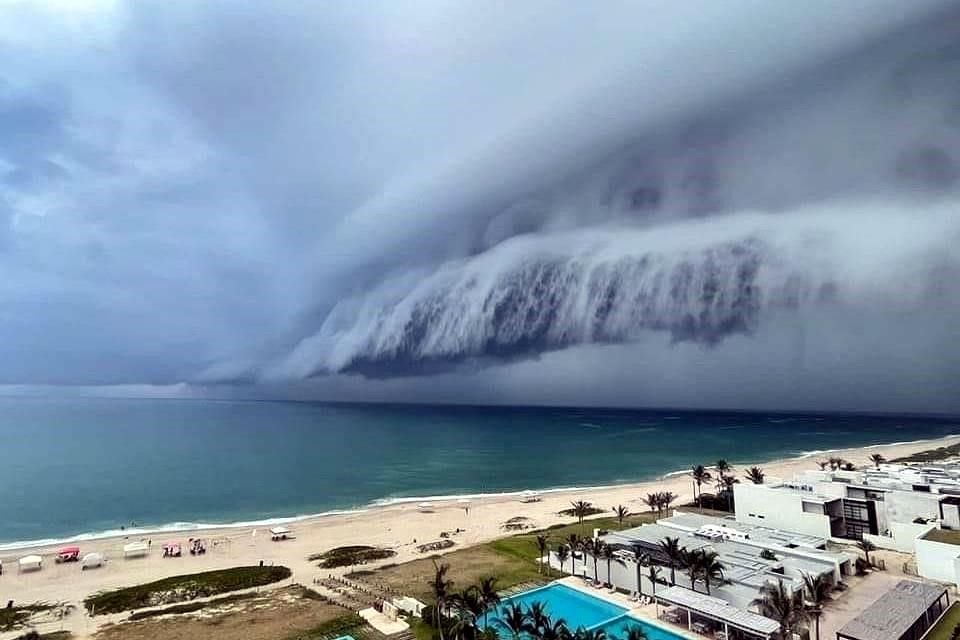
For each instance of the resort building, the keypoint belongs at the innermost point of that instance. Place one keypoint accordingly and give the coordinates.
(892, 507)
(903, 613)
(751, 557)
(938, 555)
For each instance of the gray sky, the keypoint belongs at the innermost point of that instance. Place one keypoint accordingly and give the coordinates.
(737, 204)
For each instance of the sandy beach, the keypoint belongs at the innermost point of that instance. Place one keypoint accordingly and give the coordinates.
(401, 527)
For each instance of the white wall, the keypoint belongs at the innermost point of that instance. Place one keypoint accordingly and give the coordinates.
(903, 536)
(762, 505)
(904, 506)
(937, 560)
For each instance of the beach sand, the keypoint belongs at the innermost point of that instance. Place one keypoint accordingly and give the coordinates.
(401, 527)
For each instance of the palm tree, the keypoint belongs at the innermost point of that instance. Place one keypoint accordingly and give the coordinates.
(728, 482)
(824, 464)
(816, 593)
(877, 459)
(671, 548)
(710, 568)
(514, 620)
(667, 498)
(537, 618)
(692, 561)
(849, 466)
(653, 501)
(722, 467)
(573, 541)
(636, 632)
(563, 552)
(469, 607)
(581, 509)
(556, 630)
(640, 558)
(543, 546)
(700, 475)
(653, 574)
(587, 634)
(487, 590)
(441, 587)
(608, 554)
(621, 513)
(776, 603)
(755, 475)
(594, 547)
(866, 547)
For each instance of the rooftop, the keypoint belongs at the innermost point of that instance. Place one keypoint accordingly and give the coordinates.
(894, 612)
(759, 535)
(947, 536)
(719, 610)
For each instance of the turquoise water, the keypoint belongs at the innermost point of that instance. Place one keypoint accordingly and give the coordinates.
(618, 629)
(579, 609)
(90, 466)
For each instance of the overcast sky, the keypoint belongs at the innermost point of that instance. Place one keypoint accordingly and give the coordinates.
(737, 204)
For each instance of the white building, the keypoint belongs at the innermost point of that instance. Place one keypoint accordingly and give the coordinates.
(892, 507)
(938, 555)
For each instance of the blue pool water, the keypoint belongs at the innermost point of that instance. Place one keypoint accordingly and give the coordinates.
(618, 628)
(579, 609)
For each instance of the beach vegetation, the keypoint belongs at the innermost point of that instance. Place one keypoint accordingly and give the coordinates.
(340, 626)
(671, 549)
(931, 455)
(543, 547)
(780, 604)
(700, 477)
(755, 475)
(16, 617)
(877, 459)
(866, 547)
(621, 512)
(350, 556)
(660, 501)
(581, 509)
(183, 588)
(816, 594)
(53, 635)
(190, 607)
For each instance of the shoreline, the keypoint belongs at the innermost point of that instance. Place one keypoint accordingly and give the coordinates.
(401, 527)
(383, 504)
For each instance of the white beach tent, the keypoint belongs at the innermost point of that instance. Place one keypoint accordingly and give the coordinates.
(92, 561)
(135, 549)
(30, 563)
(280, 533)
(425, 507)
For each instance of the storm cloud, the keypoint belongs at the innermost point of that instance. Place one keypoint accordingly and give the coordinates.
(742, 204)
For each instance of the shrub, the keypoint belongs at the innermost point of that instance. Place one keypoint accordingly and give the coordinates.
(348, 556)
(183, 588)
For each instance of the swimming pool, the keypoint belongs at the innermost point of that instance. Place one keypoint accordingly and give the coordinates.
(579, 609)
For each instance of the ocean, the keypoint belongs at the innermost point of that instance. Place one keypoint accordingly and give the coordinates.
(85, 466)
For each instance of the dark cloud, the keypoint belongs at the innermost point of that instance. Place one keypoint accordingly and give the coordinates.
(538, 202)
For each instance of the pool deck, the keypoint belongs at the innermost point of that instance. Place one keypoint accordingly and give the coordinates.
(646, 613)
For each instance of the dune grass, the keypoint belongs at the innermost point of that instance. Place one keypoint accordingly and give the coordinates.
(932, 455)
(16, 617)
(349, 556)
(183, 588)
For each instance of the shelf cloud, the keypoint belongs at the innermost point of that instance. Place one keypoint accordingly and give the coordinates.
(746, 205)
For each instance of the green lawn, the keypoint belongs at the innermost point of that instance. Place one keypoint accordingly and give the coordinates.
(944, 629)
(511, 560)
